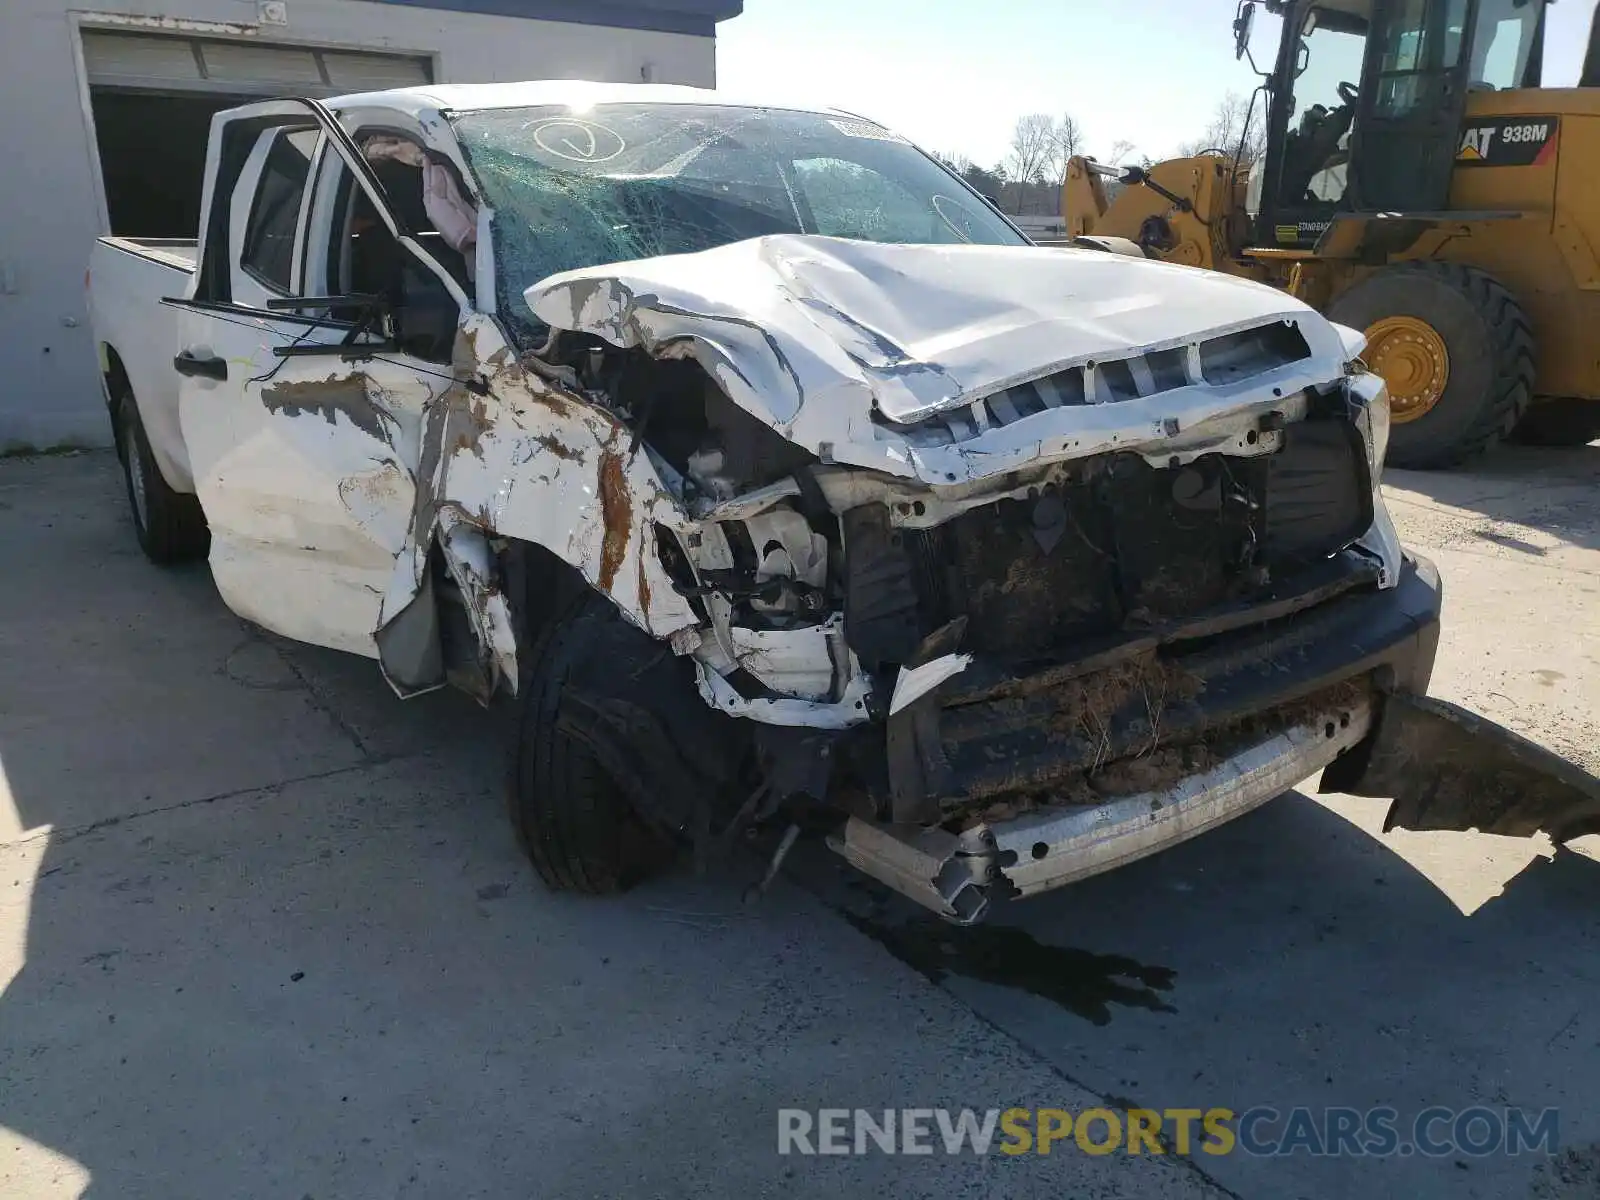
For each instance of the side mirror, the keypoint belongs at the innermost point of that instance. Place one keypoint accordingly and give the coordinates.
(1243, 25)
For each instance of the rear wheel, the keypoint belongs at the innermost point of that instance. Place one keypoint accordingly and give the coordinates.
(1456, 350)
(572, 819)
(1568, 421)
(170, 525)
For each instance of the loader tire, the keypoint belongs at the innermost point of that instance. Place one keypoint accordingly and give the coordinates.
(170, 525)
(1568, 421)
(571, 818)
(1463, 326)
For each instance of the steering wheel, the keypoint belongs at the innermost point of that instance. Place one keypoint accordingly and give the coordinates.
(1349, 93)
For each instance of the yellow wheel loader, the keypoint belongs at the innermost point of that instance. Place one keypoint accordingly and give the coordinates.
(1417, 184)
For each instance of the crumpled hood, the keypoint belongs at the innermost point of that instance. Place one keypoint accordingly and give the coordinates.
(787, 322)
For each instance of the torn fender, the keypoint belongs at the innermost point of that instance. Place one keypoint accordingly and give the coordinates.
(1448, 768)
(506, 453)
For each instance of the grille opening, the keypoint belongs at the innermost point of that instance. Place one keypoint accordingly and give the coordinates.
(1167, 368)
(1116, 378)
(1223, 360)
(1252, 352)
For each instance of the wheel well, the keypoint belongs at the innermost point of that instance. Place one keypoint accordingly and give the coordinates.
(543, 589)
(117, 386)
(116, 375)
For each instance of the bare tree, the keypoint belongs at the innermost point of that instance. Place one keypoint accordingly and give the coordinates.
(1121, 151)
(1227, 130)
(1068, 144)
(1033, 151)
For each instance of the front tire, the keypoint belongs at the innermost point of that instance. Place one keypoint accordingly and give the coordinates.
(1457, 352)
(571, 817)
(170, 525)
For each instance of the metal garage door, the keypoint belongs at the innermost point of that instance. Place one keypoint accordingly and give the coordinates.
(157, 63)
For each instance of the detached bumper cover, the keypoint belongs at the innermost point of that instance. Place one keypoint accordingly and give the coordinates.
(1449, 769)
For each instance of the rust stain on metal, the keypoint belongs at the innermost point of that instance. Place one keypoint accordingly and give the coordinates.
(469, 422)
(616, 511)
(556, 447)
(644, 585)
(327, 398)
(553, 400)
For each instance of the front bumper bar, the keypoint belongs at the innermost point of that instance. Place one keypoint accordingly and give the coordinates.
(1387, 638)
(957, 876)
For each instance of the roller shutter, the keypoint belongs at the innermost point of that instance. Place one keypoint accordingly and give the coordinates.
(151, 62)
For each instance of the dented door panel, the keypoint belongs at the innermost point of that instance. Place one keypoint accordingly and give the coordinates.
(1450, 769)
(311, 480)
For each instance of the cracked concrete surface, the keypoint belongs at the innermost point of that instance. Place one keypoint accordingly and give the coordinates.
(264, 932)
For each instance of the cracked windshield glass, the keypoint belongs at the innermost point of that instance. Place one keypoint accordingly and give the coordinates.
(629, 181)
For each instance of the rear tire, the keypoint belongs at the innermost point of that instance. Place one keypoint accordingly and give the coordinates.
(1491, 356)
(1568, 421)
(571, 818)
(170, 525)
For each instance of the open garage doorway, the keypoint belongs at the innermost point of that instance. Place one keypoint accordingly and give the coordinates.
(152, 97)
(153, 158)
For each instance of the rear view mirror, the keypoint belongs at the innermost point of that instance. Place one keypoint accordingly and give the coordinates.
(1243, 24)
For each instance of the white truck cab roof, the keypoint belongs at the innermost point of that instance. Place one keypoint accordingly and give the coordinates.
(576, 94)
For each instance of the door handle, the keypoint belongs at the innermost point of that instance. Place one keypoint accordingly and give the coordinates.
(201, 368)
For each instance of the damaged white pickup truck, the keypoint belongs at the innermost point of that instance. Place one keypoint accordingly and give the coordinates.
(780, 480)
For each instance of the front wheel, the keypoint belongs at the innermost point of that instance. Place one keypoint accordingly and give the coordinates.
(170, 525)
(1456, 351)
(571, 817)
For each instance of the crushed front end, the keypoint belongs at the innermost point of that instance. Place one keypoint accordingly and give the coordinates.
(1057, 600)
(1116, 655)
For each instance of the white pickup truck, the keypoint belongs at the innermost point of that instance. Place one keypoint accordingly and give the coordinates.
(779, 479)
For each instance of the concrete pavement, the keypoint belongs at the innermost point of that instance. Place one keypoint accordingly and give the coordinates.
(264, 933)
(263, 930)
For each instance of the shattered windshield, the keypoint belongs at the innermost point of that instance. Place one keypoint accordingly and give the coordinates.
(626, 181)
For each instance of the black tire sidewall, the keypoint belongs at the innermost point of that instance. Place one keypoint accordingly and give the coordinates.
(174, 528)
(571, 819)
(131, 433)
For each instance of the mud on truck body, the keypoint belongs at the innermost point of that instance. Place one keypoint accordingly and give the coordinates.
(780, 480)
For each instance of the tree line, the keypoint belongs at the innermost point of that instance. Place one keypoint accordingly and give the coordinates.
(1027, 181)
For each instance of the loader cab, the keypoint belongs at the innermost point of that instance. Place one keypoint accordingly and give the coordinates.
(1367, 98)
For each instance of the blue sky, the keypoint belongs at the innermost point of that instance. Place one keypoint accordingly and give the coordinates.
(954, 75)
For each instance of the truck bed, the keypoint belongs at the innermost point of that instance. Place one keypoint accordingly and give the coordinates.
(137, 336)
(179, 253)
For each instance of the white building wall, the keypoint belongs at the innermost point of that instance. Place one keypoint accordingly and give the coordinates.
(50, 204)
